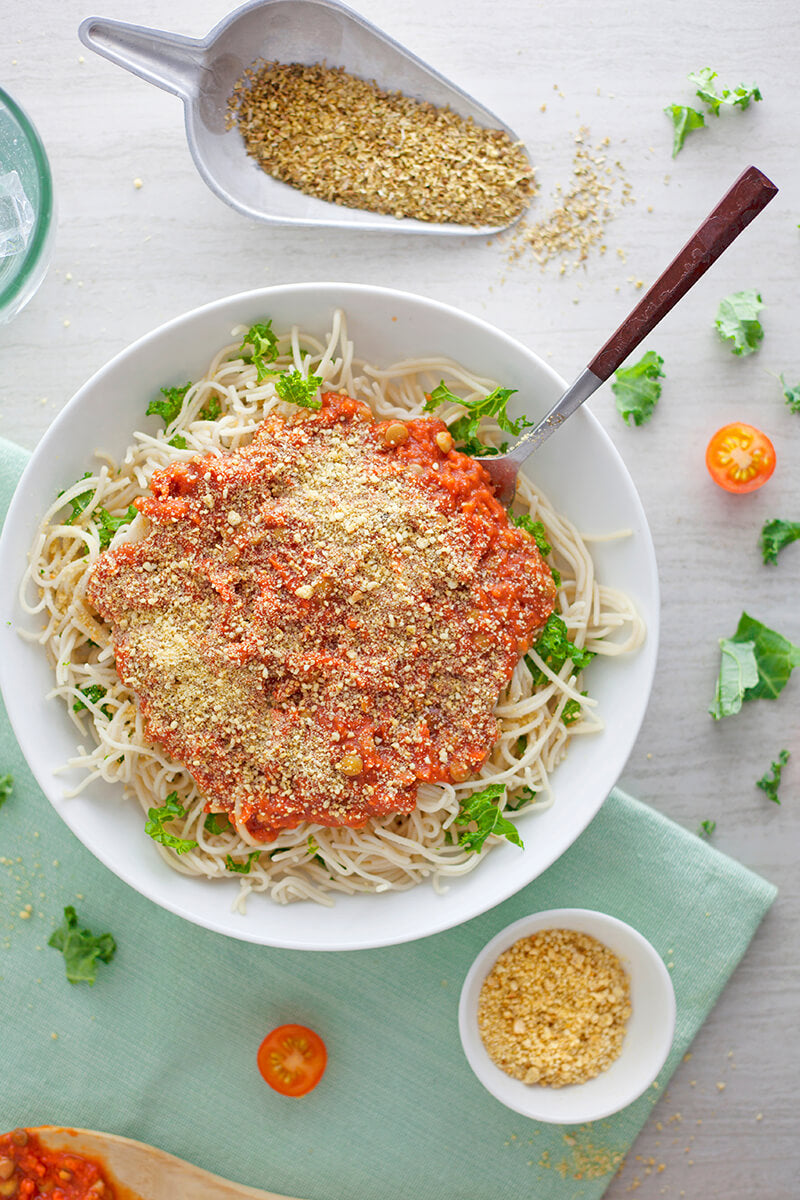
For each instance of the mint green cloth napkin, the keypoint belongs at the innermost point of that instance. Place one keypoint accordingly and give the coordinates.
(163, 1047)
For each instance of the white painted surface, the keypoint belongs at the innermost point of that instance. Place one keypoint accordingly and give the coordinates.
(127, 259)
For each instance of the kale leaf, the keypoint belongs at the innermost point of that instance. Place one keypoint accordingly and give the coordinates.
(637, 389)
(756, 664)
(737, 321)
(554, 648)
(241, 868)
(791, 395)
(6, 784)
(770, 781)
(684, 121)
(776, 534)
(94, 693)
(481, 808)
(465, 429)
(170, 810)
(107, 525)
(294, 388)
(81, 949)
(216, 823)
(711, 95)
(168, 408)
(264, 345)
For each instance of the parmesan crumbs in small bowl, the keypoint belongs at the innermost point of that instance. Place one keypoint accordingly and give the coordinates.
(567, 1016)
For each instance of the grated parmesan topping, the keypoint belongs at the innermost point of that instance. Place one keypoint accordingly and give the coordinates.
(318, 622)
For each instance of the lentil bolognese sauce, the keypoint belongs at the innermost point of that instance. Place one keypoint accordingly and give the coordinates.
(29, 1171)
(324, 619)
(300, 629)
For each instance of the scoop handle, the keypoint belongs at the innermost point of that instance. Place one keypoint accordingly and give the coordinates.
(168, 60)
(751, 192)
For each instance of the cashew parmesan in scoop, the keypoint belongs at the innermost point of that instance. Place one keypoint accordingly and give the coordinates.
(348, 141)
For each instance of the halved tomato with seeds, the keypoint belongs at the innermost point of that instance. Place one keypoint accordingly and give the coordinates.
(740, 458)
(292, 1059)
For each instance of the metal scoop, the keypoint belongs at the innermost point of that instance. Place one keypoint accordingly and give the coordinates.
(203, 73)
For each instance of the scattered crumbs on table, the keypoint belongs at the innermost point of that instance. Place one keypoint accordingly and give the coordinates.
(54, 1036)
(581, 211)
(137, 183)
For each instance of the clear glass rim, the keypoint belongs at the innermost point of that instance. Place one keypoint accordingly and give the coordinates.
(44, 214)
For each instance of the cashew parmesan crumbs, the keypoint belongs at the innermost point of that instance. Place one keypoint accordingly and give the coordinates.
(322, 620)
(578, 221)
(348, 141)
(554, 1007)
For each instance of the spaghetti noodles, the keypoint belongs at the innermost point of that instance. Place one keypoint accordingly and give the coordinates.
(311, 861)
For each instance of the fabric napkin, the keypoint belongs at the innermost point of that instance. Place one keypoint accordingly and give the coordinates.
(163, 1047)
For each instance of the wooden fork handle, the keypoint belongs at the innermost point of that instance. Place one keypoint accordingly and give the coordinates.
(751, 192)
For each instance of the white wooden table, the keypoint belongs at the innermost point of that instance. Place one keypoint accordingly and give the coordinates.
(128, 258)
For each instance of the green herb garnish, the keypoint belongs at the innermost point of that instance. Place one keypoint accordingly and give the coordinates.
(216, 823)
(107, 525)
(481, 808)
(168, 408)
(94, 693)
(572, 711)
(178, 441)
(80, 502)
(6, 784)
(526, 796)
(465, 429)
(476, 448)
(636, 388)
(706, 828)
(81, 949)
(264, 345)
(775, 535)
(791, 395)
(211, 409)
(537, 531)
(294, 388)
(737, 321)
(684, 121)
(554, 648)
(241, 868)
(756, 664)
(710, 93)
(770, 781)
(157, 818)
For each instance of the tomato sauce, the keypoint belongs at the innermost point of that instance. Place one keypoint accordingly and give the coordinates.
(28, 1171)
(325, 619)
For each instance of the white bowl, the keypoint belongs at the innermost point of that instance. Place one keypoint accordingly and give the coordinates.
(648, 1036)
(580, 470)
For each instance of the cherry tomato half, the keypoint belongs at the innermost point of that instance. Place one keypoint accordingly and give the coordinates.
(292, 1059)
(740, 458)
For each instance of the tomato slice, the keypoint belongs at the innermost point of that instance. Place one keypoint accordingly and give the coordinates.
(740, 458)
(292, 1059)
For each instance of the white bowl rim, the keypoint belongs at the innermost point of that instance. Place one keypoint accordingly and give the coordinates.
(560, 918)
(442, 920)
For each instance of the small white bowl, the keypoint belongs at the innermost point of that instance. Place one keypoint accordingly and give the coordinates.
(648, 1036)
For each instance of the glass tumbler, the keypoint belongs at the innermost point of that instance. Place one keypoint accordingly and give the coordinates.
(27, 218)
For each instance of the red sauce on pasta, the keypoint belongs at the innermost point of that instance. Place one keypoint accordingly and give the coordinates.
(321, 621)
